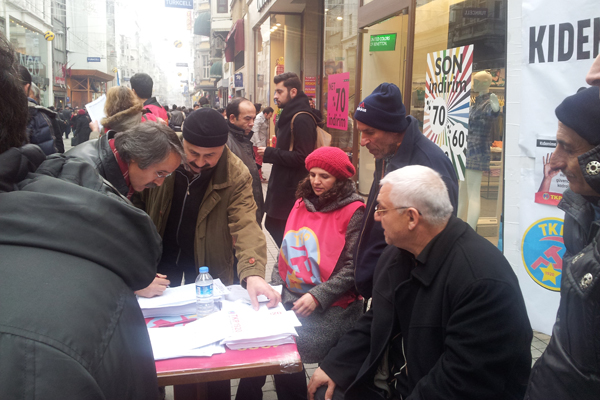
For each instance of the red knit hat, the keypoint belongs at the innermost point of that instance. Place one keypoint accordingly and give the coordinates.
(332, 160)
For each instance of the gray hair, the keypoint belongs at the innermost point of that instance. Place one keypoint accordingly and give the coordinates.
(422, 188)
(148, 143)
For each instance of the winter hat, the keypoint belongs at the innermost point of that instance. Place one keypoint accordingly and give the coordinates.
(383, 109)
(332, 160)
(581, 112)
(81, 111)
(205, 127)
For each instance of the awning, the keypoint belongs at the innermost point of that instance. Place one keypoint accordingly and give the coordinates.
(91, 73)
(235, 40)
(216, 71)
(202, 24)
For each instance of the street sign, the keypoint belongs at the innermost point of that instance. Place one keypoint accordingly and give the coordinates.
(181, 65)
(385, 42)
(338, 92)
(188, 4)
(93, 59)
(239, 80)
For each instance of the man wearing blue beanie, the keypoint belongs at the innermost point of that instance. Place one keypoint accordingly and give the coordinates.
(570, 366)
(394, 139)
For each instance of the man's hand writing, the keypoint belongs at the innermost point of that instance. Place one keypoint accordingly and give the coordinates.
(257, 286)
(156, 288)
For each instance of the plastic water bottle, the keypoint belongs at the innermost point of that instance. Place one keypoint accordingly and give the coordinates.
(204, 293)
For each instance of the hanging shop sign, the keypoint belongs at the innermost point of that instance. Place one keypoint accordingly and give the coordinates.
(385, 42)
(338, 92)
(59, 81)
(188, 4)
(93, 59)
(310, 86)
(447, 98)
(559, 43)
(471, 12)
(239, 80)
(181, 65)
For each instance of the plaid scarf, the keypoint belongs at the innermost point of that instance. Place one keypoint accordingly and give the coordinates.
(122, 166)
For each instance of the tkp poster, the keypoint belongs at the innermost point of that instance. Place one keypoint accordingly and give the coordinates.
(558, 48)
(338, 92)
(447, 99)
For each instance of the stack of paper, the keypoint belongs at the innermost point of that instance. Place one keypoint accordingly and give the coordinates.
(177, 301)
(199, 338)
(265, 327)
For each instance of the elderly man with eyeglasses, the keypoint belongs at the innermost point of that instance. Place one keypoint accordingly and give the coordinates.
(448, 319)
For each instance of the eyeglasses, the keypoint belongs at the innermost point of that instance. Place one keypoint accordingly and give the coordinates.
(382, 211)
(163, 176)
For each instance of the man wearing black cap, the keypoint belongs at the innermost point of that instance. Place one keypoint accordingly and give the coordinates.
(394, 139)
(204, 210)
(570, 366)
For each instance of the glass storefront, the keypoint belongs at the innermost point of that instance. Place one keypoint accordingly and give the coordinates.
(442, 25)
(412, 47)
(381, 63)
(339, 56)
(33, 54)
(278, 44)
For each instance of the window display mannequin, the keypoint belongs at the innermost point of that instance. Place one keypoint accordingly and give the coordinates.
(481, 120)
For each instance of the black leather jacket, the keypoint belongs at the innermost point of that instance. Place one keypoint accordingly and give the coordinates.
(570, 366)
(98, 153)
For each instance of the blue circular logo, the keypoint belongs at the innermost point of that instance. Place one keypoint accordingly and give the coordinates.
(542, 250)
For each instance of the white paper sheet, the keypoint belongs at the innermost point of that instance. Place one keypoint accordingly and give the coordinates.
(96, 109)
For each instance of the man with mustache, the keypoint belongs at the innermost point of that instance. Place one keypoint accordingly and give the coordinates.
(570, 366)
(204, 211)
(133, 160)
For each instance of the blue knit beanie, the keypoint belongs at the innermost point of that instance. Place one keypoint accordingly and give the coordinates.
(581, 112)
(383, 109)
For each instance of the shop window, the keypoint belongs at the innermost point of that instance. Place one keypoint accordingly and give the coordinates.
(222, 6)
(339, 56)
(441, 25)
(238, 61)
(205, 67)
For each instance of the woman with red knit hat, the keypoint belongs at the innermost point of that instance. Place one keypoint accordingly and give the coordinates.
(316, 264)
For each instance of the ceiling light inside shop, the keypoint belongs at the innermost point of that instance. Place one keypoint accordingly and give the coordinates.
(339, 18)
(327, 9)
(278, 24)
(274, 28)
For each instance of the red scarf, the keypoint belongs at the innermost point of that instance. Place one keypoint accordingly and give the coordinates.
(122, 166)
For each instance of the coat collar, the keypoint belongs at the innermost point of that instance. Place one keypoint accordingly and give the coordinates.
(444, 244)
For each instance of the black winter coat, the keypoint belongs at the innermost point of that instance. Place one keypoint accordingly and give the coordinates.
(241, 146)
(43, 129)
(415, 149)
(467, 335)
(82, 128)
(97, 152)
(570, 366)
(72, 253)
(288, 166)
